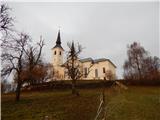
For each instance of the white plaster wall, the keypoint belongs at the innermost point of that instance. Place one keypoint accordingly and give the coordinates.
(57, 59)
(99, 66)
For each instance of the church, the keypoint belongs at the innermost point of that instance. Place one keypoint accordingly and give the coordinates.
(98, 71)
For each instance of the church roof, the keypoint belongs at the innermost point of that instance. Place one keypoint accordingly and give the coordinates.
(96, 60)
(104, 59)
(58, 38)
(86, 59)
(58, 42)
(58, 46)
(100, 60)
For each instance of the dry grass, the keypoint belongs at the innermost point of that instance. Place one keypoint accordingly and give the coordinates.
(137, 103)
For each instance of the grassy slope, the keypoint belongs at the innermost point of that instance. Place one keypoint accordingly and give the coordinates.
(137, 103)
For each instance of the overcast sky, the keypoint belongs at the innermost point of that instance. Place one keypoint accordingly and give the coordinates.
(103, 29)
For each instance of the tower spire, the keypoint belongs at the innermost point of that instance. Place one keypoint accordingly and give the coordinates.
(58, 42)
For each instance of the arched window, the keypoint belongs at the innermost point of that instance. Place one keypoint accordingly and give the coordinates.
(60, 53)
(85, 72)
(55, 52)
(96, 73)
(104, 71)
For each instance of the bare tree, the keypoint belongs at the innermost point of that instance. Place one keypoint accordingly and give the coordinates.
(13, 59)
(136, 54)
(73, 65)
(151, 68)
(34, 62)
(140, 65)
(46, 72)
(6, 21)
(6, 24)
(17, 53)
(3, 86)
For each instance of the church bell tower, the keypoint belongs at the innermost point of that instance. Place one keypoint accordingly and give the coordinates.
(57, 52)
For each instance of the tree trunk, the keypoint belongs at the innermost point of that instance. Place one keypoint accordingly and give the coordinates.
(73, 87)
(138, 68)
(74, 91)
(18, 90)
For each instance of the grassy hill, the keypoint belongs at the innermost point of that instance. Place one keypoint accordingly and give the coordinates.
(137, 103)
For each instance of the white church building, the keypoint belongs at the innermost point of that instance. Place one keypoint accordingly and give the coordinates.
(97, 71)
